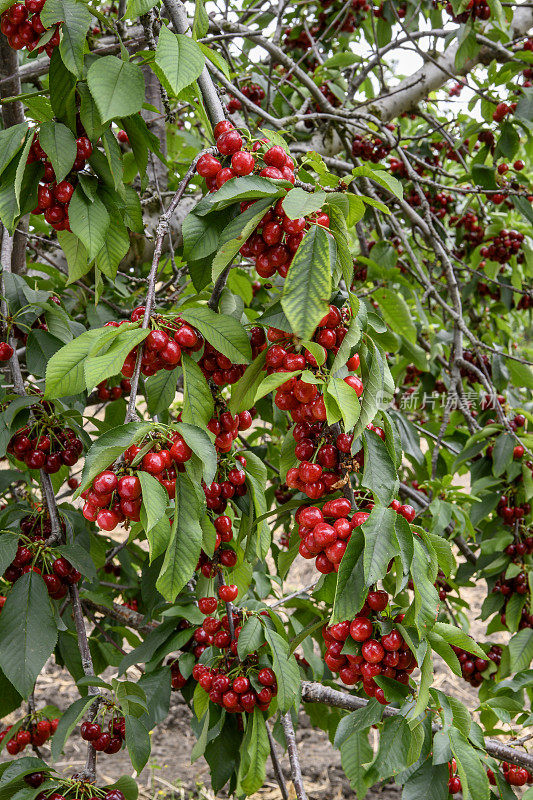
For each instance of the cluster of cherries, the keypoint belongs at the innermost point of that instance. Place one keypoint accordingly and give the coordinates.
(277, 237)
(44, 444)
(6, 351)
(32, 556)
(379, 654)
(476, 9)
(325, 541)
(473, 666)
(115, 494)
(231, 684)
(509, 513)
(373, 149)
(253, 91)
(519, 584)
(503, 246)
(34, 731)
(222, 557)
(230, 481)
(514, 775)
(23, 27)
(346, 20)
(53, 198)
(107, 392)
(103, 741)
(229, 142)
(163, 346)
(219, 368)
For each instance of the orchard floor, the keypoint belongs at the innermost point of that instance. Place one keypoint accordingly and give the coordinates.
(170, 775)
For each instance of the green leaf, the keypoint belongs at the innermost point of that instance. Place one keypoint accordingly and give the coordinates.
(185, 544)
(116, 86)
(380, 473)
(179, 58)
(236, 233)
(98, 368)
(372, 396)
(286, 669)
(255, 749)
(115, 247)
(76, 255)
(249, 187)
(250, 638)
(137, 8)
(198, 406)
(67, 722)
(380, 543)
(299, 203)
(502, 453)
(351, 591)
(155, 501)
(520, 650)
(80, 558)
(243, 392)
(28, 632)
(160, 390)
(222, 331)
(273, 381)
(471, 769)
(346, 400)
(11, 140)
(201, 235)
(455, 636)
(137, 742)
(396, 313)
(89, 220)
(109, 447)
(394, 746)
(429, 782)
(357, 721)
(201, 445)
(8, 550)
(307, 287)
(76, 19)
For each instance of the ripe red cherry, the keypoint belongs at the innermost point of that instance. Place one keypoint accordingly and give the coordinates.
(45, 197)
(180, 452)
(84, 148)
(129, 487)
(115, 794)
(242, 163)
(372, 651)
(222, 127)
(454, 785)
(106, 482)
(171, 354)
(6, 351)
(229, 143)
(353, 362)
(392, 641)
(308, 472)
(62, 567)
(407, 512)
(207, 605)
(208, 166)
(228, 593)
(275, 157)
(518, 165)
(266, 676)
(107, 520)
(90, 731)
(361, 629)
(356, 383)
(241, 684)
(186, 337)
(377, 600)
(153, 463)
(518, 452)
(63, 192)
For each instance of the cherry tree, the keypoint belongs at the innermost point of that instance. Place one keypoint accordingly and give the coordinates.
(265, 300)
